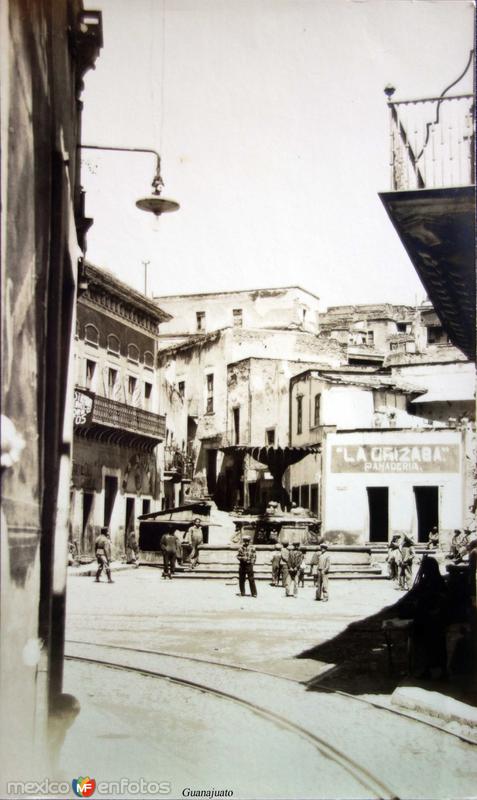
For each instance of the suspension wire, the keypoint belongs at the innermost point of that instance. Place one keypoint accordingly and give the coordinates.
(163, 74)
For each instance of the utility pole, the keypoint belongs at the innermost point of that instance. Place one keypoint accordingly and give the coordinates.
(145, 264)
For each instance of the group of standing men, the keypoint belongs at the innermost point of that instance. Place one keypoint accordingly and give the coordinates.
(401, 554)
(180, 545)
(400, 558)
(288, 568)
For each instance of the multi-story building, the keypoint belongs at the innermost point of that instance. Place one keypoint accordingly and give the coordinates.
(117, 420)
(431, 205)
(381, 469)
(450, 387)
(281, 308)
(372, 333)
(196, 372)
(45, 49)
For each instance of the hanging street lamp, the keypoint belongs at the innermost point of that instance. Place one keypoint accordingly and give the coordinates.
(154, 203)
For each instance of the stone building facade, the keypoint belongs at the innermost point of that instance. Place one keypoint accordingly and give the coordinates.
(196, 369)
(116, 476)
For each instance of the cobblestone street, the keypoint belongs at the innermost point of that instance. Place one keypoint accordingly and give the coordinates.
(194, 628)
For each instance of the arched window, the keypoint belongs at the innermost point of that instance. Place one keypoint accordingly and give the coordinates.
(133, 353)
(113, 344)
(91, 335)
(148, 359)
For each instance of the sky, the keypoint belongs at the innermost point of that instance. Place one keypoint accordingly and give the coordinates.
(273, 129)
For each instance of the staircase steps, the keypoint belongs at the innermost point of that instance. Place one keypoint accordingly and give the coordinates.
(211, 572)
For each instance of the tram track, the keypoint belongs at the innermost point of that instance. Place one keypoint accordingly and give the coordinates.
(372, 784)
(252, 670)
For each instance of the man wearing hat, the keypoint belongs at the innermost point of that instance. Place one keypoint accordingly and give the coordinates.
(407, 558)
(196, 538)
(320, 567)
(284, 563)
(276, 558)
(102, 547)
(294, 564)
(246, 557)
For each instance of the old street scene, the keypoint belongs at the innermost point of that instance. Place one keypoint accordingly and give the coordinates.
(239, 487)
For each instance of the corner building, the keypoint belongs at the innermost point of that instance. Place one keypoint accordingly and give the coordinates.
(117, 424)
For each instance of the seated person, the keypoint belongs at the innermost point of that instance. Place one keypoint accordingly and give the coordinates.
(426, 604)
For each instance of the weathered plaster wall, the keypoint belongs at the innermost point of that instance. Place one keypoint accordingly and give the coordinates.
(262, 308)
(399, 460)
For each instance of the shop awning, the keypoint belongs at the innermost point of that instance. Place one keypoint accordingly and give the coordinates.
(277, 459)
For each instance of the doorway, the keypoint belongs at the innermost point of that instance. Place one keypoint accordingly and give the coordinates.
(146, 506)
(130, 515)
(236, 413)
(427, 507)
(110, 492)
(378, 502)
(211, 471)
(86, 543)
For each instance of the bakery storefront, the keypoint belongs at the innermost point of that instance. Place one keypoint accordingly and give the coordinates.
(378, 483)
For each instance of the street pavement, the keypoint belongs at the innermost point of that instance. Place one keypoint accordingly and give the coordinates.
(208, 619)
(316, 663)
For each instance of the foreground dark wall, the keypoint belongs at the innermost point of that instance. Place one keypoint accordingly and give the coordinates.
(39, 130)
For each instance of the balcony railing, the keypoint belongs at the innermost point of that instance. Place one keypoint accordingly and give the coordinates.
(95, 410)
(179, 463)
(432, 142)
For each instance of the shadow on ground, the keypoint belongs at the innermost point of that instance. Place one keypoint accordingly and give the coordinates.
(362, 666)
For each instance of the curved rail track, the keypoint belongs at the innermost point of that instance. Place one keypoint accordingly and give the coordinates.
(371, 783)
(239, 668)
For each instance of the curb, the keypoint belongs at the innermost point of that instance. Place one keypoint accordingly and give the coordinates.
(434, 704)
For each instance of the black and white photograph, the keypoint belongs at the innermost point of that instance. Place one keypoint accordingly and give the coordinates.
(238, 344)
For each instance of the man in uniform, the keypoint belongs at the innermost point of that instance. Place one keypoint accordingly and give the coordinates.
(246, 557)
(196, 538)
(102, 547)
(169, 552)
(294, 564)
(320, 567)
(284, 562)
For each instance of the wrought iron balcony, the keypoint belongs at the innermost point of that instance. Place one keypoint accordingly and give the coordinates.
(432, 142)
(179, 464)
(110, 420)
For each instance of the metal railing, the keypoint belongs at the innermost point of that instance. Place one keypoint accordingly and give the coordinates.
(113, 414)
(179, 462)
(432, 142)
